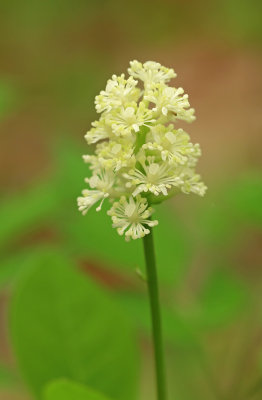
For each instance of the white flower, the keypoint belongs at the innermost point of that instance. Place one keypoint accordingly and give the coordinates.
(125, 121)
(116, 154)
(89, 198)
(139, 157)
(92, 160)
(173, 145)
(192, 183)
(187, 115)
(151, 72)
(99, 131)
(169, 99)
(130, 217)
(155, 177)
(119, 91)
(101, 183)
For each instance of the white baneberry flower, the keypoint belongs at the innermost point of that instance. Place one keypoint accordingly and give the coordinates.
(116, 154)
(169, 99)
(119, 91)
(140, 157)
(173, 145)
(151, 72)
(89, 198)
(194, 185)
(101, 184)
(130, 216)
(125, 121)
(187, 115)
(192, 182)
(93, 161)
(155, 177)
(99, 131)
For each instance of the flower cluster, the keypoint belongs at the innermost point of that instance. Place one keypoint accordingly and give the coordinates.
(141, 158)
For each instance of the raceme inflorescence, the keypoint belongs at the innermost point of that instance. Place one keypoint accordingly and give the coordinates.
(141, 157)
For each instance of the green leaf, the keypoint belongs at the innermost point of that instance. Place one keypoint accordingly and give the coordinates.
(8, 270)
(64, 325)
(67, 390)
(13, 266)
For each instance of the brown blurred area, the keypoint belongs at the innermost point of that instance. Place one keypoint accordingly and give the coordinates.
(57, 55)
(56, 59)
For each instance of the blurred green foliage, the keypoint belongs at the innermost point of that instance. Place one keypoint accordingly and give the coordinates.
(64, 325)
(8, 98)
(66, 390)
(235, 20)
(75, 325)
(7, 378)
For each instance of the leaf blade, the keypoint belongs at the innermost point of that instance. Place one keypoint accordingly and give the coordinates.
(63, 325)
(68, 390)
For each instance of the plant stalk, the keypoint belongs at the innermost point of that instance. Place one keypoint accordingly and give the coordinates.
(152, 283)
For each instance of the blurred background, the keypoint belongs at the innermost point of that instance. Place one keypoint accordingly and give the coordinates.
(55, 57)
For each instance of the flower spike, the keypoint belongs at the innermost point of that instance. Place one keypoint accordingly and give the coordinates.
(140, 155)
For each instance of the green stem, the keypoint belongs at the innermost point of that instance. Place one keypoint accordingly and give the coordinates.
(155, 314)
